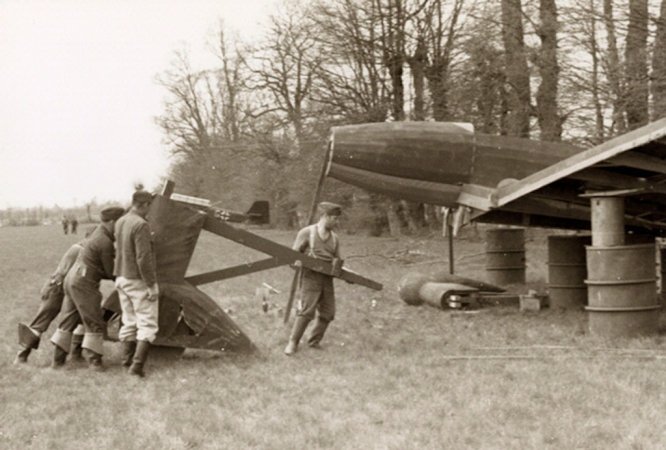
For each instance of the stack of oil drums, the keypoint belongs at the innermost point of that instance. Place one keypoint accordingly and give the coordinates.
(621, 279)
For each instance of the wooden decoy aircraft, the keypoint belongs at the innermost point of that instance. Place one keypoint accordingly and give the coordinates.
(506, 180)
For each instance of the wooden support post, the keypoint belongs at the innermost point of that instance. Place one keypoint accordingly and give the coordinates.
(607, 221)
(449, 232)
(168, 188)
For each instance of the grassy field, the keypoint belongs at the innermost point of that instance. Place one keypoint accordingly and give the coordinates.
(389, 376)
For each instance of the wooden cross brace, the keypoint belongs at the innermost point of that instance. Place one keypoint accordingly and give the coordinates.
(280, 255)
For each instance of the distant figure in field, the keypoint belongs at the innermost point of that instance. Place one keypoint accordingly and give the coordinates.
(317, 295)
(53, 294)
(65, 224)
(83, 302)
(74, 224)
(136, 282)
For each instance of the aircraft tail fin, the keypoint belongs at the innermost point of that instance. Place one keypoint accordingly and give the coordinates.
(259, 213)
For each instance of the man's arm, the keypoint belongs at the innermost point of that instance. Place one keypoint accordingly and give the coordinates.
(107, 255)
(302, 240)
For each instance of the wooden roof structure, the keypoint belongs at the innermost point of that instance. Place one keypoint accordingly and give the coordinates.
(632, 166)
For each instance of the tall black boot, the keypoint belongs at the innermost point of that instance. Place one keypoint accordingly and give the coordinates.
(140, 356)
(28, 341)
(317, 332)
(59, 357)
(297, 331)
(94, 360)
(22, 355)
(75, 352)
(128, 349)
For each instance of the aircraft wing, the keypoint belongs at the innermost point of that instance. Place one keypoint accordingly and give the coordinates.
(632, 165)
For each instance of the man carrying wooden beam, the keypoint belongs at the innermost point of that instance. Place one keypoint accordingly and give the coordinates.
(317, 294)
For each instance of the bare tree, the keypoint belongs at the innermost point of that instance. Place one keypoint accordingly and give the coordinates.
(352, 85)
(442, 31)
(287, 66)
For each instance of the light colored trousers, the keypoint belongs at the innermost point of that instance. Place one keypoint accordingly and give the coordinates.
(140, 315)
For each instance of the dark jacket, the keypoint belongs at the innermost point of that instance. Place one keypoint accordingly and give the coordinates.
(97, 255)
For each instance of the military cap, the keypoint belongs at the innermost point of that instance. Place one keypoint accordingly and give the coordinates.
(330, 209)
(141, 196)
(112, 213)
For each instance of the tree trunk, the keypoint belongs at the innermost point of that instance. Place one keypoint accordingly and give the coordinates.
(614, 72)
(594, 52)
(636, 64)
(550, 122)
(417, 65)
(658, 86)
(517, 72)
(395, 227)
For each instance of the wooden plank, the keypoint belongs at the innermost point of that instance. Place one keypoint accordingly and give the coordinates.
(616, 181)
(583, 160)
(235, 271)
(640, 161)
(168, 188)
(282, 252)
(475, 196)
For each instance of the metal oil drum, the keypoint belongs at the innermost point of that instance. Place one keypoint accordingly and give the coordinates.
(622, 290)
(505, 256)
(567, 271)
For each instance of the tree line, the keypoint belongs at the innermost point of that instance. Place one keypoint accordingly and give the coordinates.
(255, 125)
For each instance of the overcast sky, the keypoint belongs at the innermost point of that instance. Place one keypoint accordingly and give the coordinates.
(78, 96)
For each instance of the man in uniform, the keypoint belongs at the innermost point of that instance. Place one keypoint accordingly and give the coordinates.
(53, 294)
(83, 302)
(317, 295)
(136, 282)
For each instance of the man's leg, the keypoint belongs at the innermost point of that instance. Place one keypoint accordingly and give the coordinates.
(127, 331)
(310, 294)
(29, 335)
(49, 308)
(62, 338)
(325, 314)
(147, 324)
(88, 302)
(28, 340)
(77, 341)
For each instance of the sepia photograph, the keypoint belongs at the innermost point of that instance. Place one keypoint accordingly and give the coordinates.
(332, 224)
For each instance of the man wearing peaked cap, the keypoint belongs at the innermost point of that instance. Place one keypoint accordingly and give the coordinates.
(112, 213)
(142, 196)
(83, 298)
(332, 209)
(317, 295)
